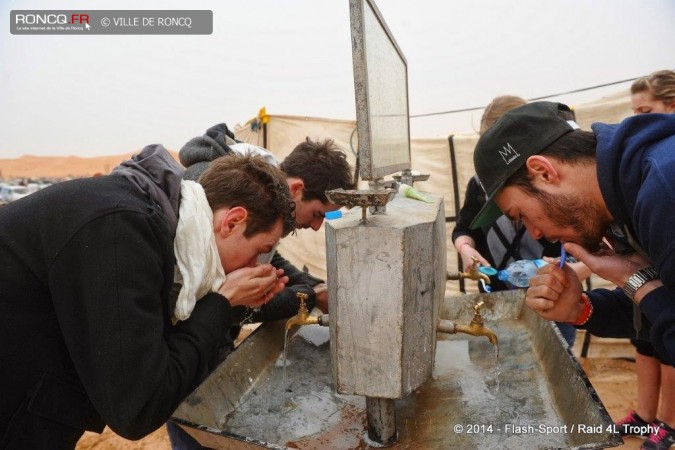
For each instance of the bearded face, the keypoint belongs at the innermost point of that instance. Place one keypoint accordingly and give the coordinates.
(554, 216)
(577, 214)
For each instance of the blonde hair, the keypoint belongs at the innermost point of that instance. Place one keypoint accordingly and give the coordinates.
(497, 108)
(660, 84)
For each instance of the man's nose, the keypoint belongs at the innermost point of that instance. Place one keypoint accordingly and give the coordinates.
(316, 223)
(536, 233)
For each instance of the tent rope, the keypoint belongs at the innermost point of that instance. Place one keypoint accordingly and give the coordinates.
(476, 108)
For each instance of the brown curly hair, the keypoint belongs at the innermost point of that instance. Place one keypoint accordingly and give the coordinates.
(322, 167)
(254, 184)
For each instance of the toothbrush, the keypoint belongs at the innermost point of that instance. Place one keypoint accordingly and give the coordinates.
(486, 287)
(563, 257)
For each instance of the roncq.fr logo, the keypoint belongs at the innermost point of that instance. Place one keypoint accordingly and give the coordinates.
(51, 19)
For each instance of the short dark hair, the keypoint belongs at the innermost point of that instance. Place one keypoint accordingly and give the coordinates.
(254, 184)
(322, 167)
(575, 147)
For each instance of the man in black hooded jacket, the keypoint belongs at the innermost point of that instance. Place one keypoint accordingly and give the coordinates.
(86, 269)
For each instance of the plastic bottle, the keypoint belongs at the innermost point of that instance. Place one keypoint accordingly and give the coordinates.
(518, 273)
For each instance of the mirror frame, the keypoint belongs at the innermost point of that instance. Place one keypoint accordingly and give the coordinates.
(368, 171)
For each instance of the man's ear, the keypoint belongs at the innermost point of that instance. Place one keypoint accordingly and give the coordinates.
(542, 169)
(297, 188)
(228, 220)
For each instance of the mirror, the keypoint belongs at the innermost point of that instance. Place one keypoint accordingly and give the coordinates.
(381, 88)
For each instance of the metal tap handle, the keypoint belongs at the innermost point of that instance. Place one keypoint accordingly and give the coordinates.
(477, 316)
(303, 298)
(474, 266)
(478, 307)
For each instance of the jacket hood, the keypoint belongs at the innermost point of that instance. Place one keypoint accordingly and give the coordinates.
(622, 158)
(155, 172)
(198, 152)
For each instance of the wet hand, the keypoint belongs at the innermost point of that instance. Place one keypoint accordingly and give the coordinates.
(253, 286)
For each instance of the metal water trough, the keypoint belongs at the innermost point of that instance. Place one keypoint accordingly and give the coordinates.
(533, 395)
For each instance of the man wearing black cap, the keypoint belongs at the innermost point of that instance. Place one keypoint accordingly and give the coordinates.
(572, 185)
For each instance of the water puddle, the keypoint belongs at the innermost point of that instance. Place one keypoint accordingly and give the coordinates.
(474, 385)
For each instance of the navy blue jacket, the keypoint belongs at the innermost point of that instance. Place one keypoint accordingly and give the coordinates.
(636, 172)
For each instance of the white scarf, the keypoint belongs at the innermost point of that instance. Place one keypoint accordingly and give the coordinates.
(198, 268)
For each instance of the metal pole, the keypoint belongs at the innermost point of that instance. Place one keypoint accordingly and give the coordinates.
(381, 421)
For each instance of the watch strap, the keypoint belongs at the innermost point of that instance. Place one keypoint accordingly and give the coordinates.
(638, 279)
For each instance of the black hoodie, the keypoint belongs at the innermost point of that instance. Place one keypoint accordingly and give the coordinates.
(198, 153)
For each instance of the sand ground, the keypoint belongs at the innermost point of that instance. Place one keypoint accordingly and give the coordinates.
(606, 364)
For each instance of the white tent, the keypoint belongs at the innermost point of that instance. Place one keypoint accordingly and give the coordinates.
(280, 134)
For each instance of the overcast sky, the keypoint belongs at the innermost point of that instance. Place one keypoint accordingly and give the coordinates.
(98, 95)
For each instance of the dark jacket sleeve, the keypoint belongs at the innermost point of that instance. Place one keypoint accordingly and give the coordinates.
(474, 199)
(659, 308)
(295, 276)
(612, 314)
(613, 317)
(654, 208)
(110, 291)
(284, 305)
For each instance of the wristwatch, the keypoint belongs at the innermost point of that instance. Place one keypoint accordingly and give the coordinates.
(638, 279)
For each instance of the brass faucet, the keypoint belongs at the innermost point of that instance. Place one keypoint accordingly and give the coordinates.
(303, 317)
(472, 274)
(475, 328)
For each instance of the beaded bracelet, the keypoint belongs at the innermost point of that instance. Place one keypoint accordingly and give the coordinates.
(586, 312)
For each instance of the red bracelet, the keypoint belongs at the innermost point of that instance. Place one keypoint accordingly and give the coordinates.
(586, 312)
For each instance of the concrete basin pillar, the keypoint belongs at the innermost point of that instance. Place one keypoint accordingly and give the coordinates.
(386, 280)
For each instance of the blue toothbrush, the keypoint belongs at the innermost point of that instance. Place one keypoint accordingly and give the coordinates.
(563, 256)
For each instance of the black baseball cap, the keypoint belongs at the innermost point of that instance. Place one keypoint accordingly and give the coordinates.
(504, 148)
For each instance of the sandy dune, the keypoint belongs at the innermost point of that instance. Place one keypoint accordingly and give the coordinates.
(28, 166)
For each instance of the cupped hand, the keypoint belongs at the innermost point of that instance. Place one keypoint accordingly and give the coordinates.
(253, 286)
(607, 264)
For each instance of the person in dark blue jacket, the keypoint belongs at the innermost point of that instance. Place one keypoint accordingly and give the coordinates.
(572, 185)
(613, 186)
(655, 403)
(503, 241)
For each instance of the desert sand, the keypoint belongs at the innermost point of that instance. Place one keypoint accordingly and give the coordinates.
(28, 166)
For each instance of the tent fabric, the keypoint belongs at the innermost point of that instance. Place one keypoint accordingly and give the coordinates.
(428, 156)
